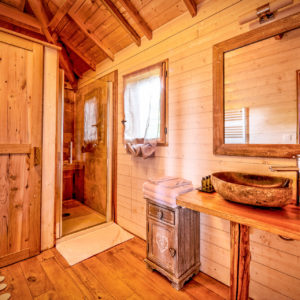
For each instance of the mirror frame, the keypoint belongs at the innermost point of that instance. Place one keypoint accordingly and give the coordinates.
(255, 150)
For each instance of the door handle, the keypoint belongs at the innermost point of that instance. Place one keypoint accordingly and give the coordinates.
(172, 252)
(36, 156)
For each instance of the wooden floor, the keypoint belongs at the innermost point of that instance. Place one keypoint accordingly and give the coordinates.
(118, 273)
(79, 216)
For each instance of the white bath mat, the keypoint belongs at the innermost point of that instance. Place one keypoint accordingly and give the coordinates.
(86, 245)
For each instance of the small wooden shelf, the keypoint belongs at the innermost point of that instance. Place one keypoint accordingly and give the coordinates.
(282, 221)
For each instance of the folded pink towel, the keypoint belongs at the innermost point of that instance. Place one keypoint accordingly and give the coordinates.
(160, 199)
(163, 191)
(164, 195)
(161, 179)
(174, 183)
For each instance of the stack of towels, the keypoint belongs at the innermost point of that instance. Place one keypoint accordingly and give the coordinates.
(164, 190)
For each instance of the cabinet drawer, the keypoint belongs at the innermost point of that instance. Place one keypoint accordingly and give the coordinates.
(163, 214)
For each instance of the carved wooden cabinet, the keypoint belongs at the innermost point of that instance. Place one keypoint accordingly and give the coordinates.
(173, 242)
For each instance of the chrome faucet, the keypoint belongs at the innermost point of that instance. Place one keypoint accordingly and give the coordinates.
(291, 168)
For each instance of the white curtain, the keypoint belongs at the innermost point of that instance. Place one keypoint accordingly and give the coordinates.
(142, 108)
(90, 120)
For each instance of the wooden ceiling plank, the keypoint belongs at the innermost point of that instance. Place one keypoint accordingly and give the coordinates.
(76, 7)
(16, 17)
(123, 22)
(133, 12)
(191, 6)
(92, 36)
(38, 10)
(77, 72)
(61, 12)
(88, 61)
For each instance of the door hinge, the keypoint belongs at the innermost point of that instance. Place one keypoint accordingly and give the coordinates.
(166, 130)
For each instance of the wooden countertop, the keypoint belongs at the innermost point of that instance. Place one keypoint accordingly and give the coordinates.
(282, 221)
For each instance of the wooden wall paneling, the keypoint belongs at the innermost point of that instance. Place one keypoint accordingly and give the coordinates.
(187, 42)
(51, 77)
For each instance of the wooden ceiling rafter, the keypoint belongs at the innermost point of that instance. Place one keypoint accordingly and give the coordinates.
(61, 12)
(19, 18)
(122, 21)
(74, 49)
(191, 6)
(135, 15)
(92, 36)
(38, 10)
(70, 8)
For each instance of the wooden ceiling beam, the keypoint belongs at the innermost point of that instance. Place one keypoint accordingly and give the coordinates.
(61, 12)
(191, 6)
(91, 35)
(18, 18)
(64, 61)
(88, 61)
(135, 15)
(122, 21)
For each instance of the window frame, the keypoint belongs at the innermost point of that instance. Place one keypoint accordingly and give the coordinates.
(164, 75)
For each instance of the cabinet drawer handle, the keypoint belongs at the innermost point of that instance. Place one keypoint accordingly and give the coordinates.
(160, 214)
(172, 252)
(285, 238)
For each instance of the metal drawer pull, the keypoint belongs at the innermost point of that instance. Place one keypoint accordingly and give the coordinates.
(172, 252)
(160, 214)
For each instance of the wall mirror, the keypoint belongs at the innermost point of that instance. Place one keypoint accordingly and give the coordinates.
(256, 91)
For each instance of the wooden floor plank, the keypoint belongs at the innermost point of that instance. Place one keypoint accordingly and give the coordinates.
(116, 287)
(118, 273)
(16, 282)
(132, 261)
(64, 285)
(91, 282)
(127, 273)
(36, 278)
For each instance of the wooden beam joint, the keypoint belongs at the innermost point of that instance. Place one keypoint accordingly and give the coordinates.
(191, 6)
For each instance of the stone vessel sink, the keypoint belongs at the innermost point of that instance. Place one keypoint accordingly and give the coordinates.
(258, 190)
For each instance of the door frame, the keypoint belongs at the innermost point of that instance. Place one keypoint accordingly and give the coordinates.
(110, 77)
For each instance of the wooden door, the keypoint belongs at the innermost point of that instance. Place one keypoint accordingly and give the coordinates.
(21, 83)
(93, 153)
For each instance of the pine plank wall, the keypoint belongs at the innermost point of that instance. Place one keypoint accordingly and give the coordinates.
(187, 43)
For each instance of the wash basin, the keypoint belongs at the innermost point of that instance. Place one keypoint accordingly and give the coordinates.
(253, 189)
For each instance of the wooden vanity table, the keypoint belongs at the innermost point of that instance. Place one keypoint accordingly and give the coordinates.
(284, 222)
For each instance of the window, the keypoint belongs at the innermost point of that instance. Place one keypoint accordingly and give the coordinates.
(145, 104)
(91, 121)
